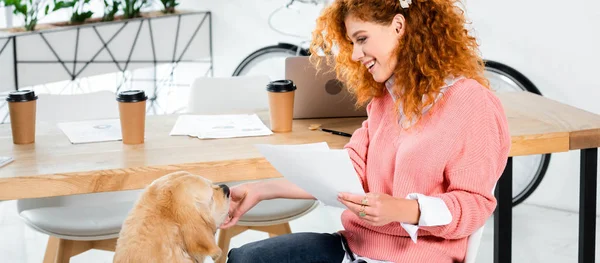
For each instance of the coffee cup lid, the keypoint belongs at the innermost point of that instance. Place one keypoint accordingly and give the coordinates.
(132, 96)
(284, 85)
(21, 96)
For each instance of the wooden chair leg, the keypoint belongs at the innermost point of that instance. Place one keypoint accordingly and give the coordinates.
(51, 250)
(70, 248)
(274, 230)
(281, 229)
(225, 236)
(106, 245)
(62, 250)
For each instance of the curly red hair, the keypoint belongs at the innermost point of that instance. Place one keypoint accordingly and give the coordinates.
(435, 45)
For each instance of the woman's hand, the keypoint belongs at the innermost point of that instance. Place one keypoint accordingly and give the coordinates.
(243, 198)
(381, 209)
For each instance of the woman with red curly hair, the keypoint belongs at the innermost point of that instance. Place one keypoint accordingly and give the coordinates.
(435, 142)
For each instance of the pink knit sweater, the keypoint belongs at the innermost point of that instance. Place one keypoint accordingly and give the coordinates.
(456, 152)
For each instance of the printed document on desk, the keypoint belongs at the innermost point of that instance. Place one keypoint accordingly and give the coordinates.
(315, 168)
(92, 131)
(4, 160)
(220, 126)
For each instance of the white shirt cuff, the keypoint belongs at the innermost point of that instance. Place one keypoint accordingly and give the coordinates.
(434, 212)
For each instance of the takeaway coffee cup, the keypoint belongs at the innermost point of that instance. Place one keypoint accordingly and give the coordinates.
(281, 104)
(132, 112)
(21, 105)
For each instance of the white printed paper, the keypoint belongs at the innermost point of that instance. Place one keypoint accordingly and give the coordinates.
(92, 131)
(4, 160)
(322, 172)
(220, 126)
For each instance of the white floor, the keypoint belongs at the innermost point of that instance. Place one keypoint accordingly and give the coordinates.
(539, 235)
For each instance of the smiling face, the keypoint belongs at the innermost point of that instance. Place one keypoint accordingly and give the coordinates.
(374, 44)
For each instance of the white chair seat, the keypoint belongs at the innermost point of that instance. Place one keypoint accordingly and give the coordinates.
(83, 217)
(276, 211)
(77, 223)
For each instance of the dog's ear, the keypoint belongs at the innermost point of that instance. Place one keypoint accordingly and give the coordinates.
(196, 224)
(199, 237)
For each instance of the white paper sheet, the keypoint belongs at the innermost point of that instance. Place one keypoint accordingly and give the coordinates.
(4, 160)
(220, 126)
(322, 172)
(92, 131)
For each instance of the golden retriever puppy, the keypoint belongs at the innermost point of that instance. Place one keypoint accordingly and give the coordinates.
(174, 221)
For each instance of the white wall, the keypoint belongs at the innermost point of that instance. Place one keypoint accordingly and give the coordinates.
(554, 43)
(240, 27)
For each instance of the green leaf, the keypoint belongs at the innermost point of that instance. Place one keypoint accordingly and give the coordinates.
(47, 9)
(87, 14)
(70, 4)
(21, 9)
(63, 4)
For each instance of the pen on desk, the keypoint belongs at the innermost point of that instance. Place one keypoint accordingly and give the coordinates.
(337, 132)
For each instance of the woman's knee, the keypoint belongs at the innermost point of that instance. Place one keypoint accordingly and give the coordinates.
(259, 251)
(299, 247)
(242, 254)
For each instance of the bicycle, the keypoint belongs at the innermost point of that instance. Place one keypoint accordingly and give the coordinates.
(528, 171)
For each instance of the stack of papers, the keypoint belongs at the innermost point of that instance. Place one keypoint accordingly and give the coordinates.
(322, 172)
(220, 126)
(92, 131)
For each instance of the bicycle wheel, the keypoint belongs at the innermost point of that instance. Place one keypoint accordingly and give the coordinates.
(269, 61)
(528, 171)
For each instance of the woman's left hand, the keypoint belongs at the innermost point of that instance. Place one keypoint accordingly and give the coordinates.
(381, 209)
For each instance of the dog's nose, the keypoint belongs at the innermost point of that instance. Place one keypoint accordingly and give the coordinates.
(225, 189)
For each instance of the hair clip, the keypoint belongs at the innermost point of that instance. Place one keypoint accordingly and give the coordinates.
(405, 3)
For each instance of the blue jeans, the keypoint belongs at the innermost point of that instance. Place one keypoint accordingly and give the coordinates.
(291, 248)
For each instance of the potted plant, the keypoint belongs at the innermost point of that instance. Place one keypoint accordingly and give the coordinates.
(169, 6)
(132, 8)
(30, 10)
(111, 7)
(78, 13)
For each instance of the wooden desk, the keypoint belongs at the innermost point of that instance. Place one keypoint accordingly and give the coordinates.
(539, 125)
(52, 166)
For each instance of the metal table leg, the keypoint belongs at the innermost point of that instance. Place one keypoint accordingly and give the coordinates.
(587, 205)
(503, 216)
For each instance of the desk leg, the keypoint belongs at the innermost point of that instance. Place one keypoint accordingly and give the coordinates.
(503, 216)
(587, 205)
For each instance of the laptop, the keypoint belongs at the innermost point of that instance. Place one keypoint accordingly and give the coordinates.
(319, 95)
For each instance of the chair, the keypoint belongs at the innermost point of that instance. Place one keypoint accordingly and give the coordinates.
(246, 94)
(474, 241)
(77, 107)
(78, 223)
(473, 245)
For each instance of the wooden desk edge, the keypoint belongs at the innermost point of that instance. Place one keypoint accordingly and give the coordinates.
(130, 178)
(539, 144)
(584, 139)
